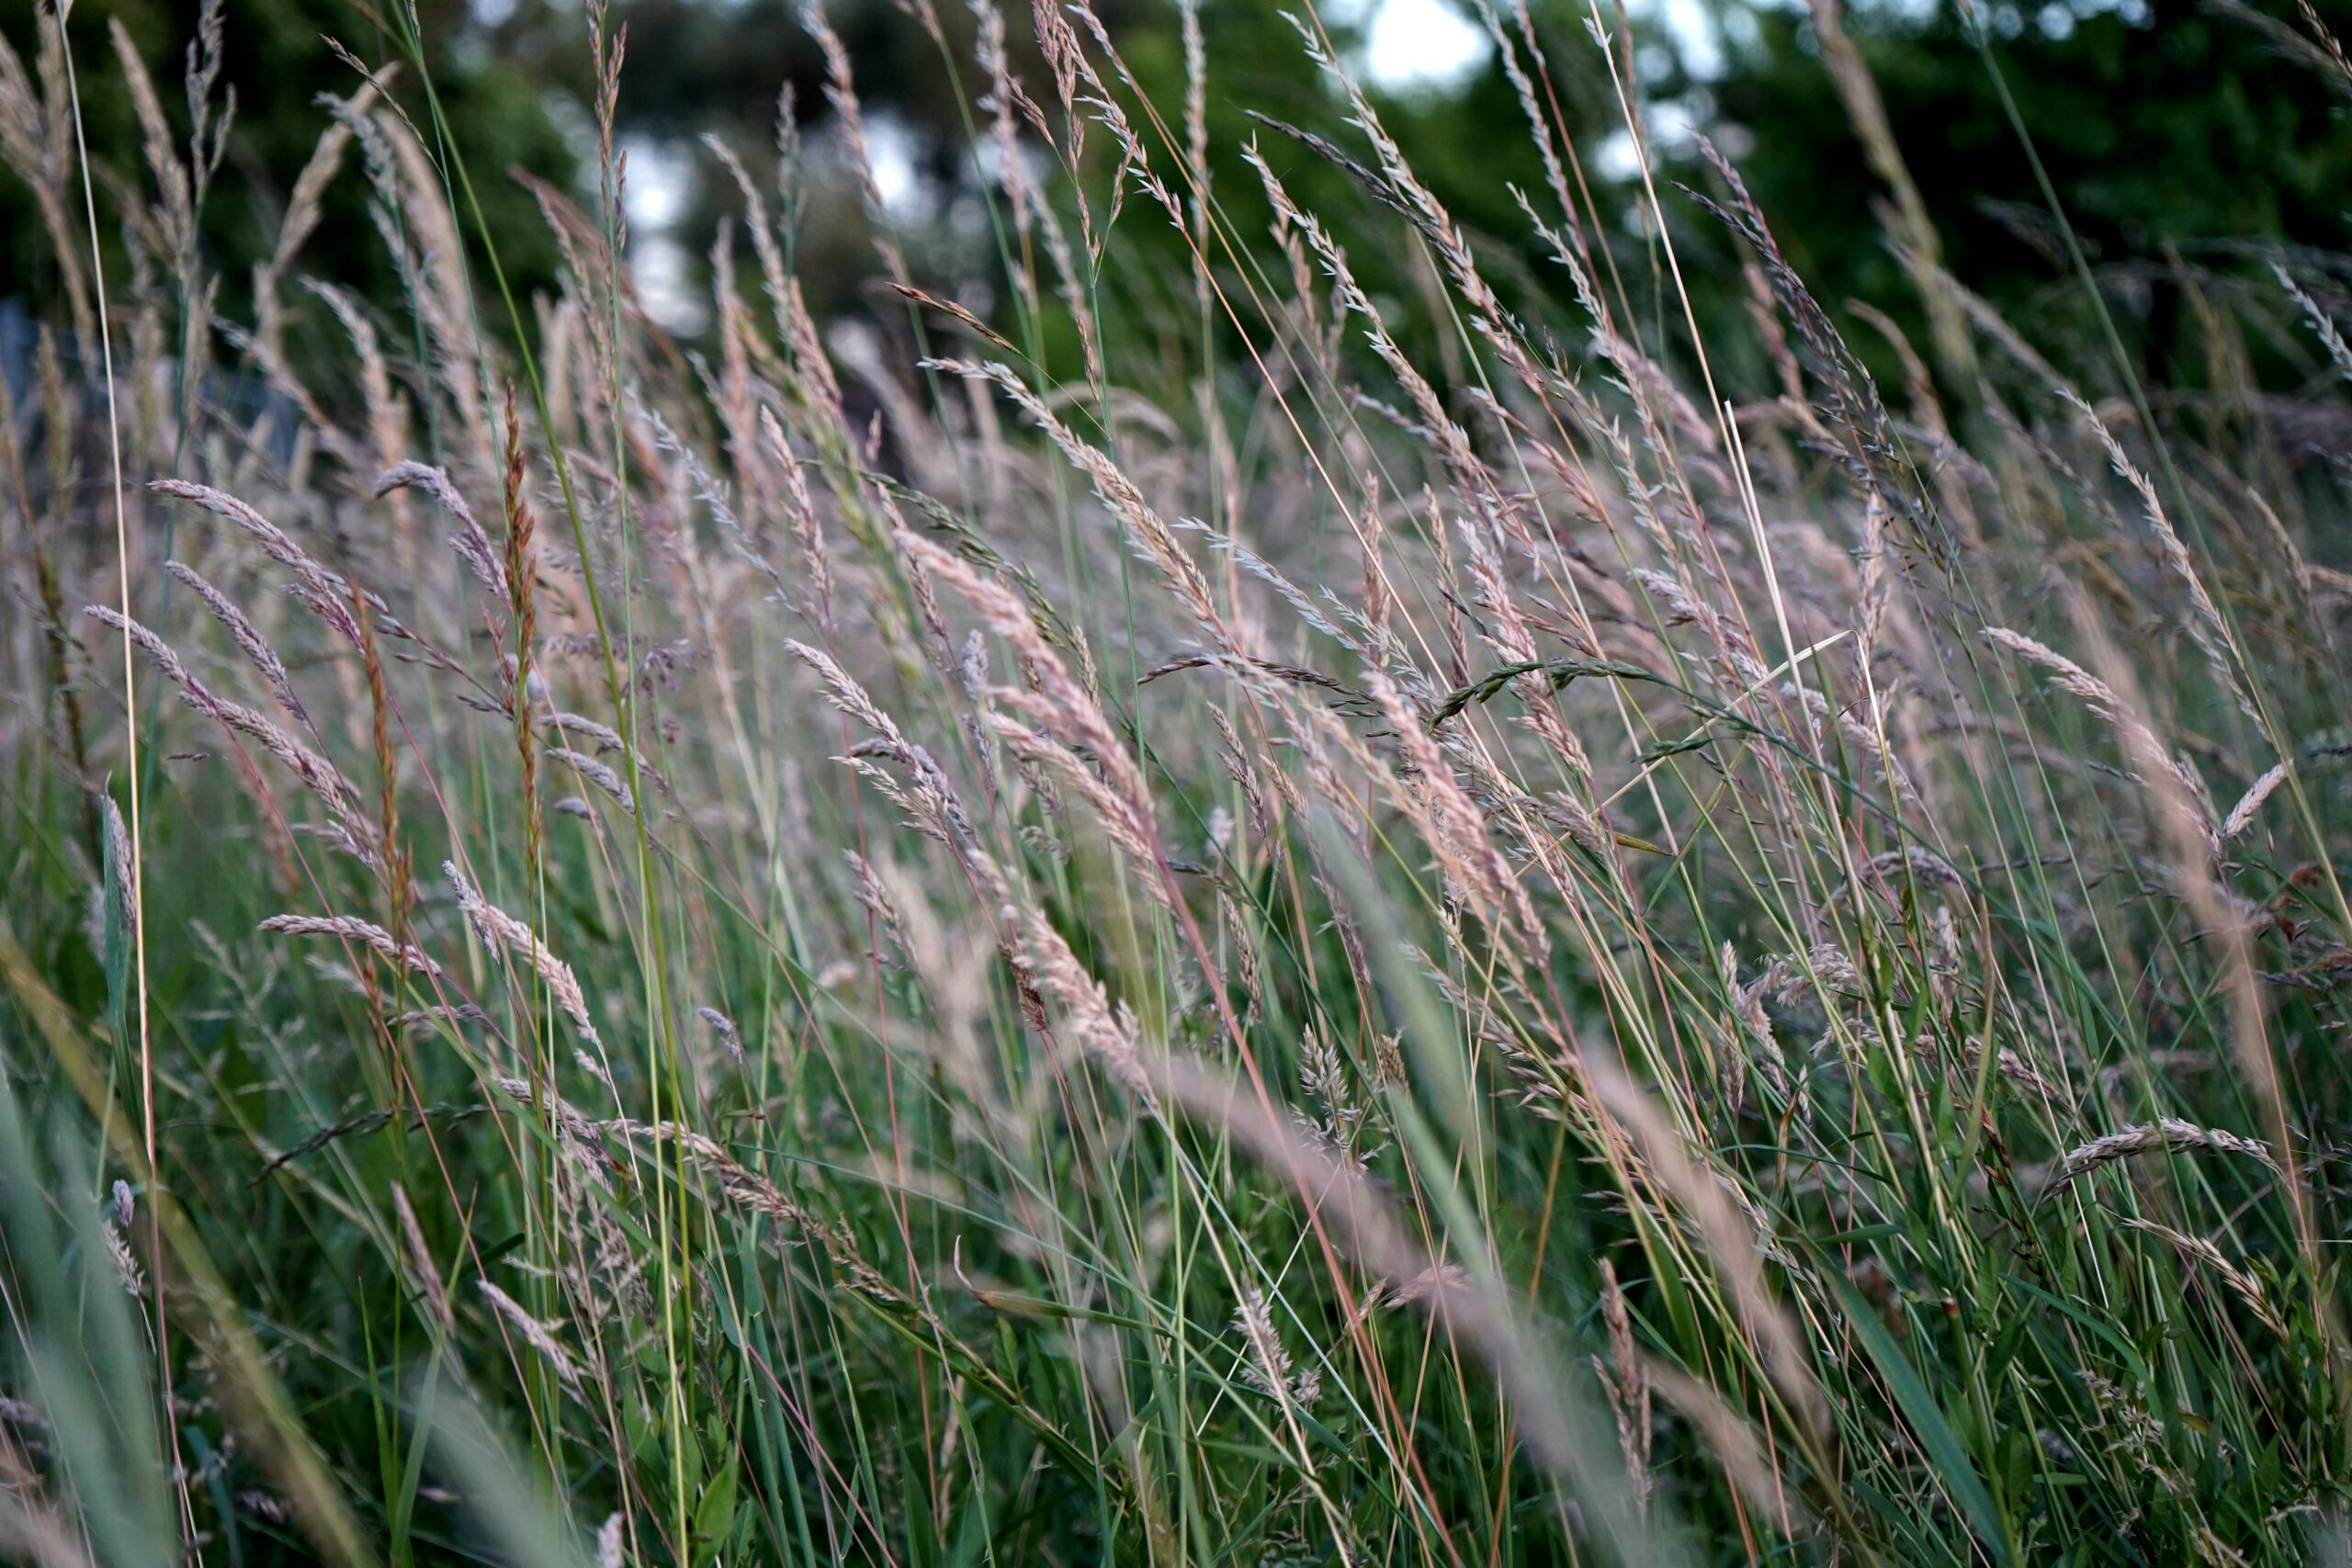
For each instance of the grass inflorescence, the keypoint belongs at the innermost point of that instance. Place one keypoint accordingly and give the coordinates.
(1180, 914)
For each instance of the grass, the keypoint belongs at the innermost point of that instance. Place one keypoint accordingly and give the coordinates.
(1140, 926)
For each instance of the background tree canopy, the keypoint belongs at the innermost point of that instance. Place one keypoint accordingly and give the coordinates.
(2181, 136)
(510, 109)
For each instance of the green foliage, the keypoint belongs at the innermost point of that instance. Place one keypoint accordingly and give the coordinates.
(277, 61)
(1306, 888)
(2181, 133)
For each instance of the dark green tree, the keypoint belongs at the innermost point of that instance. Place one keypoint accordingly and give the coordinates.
(2169, 128)
(277, 61)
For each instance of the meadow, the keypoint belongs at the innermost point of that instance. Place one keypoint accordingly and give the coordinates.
(1200, 912)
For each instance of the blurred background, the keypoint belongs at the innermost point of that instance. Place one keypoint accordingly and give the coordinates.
(2181, 144)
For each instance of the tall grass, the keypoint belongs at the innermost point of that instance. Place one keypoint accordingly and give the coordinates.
(1195, 919)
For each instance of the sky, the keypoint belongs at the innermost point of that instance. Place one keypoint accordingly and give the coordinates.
(1414, 44)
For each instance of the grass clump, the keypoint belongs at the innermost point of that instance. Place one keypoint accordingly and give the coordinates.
(1143, 927)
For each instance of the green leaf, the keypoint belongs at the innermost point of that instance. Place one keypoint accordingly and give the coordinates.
(714, 1523)
(117, 955)
(1927, 1419)
(2104, 1330)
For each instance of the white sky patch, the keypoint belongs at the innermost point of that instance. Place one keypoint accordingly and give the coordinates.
(892, 145)
(1414, 45)
(1672, 130)
(1691, 25)
(661, 189)
(664, 275)
(661, 182)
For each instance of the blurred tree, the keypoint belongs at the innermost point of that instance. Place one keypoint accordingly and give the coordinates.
(502, 111)
(2167, 126)
(2164, 125)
